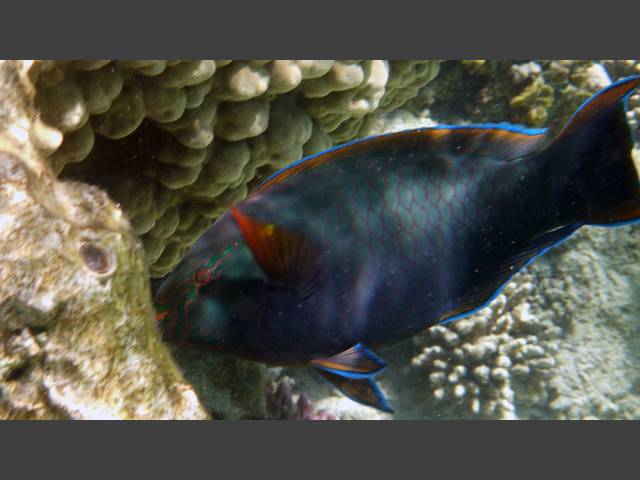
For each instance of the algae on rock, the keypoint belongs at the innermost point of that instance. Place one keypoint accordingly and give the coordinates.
(77, 331)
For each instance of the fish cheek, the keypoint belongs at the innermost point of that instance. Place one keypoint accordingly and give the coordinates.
(208, 321)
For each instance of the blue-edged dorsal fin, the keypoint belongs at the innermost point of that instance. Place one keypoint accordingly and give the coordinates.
(614, 95)
(285, 257)
(355, 362)
(489, 287)
(501, 141)
(362, 390)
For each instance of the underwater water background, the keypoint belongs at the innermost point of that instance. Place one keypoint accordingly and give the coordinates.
(175, 144)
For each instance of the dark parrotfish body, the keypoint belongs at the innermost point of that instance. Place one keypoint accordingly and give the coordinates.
(371, 242)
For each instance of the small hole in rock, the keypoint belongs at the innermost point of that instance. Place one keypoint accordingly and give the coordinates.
(96, 258)
(18, 373)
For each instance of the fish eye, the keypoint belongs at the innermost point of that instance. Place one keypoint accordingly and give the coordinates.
(96, 258)
(202, 276)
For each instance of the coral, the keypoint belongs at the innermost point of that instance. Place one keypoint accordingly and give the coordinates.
(176, 142)
(281, 404)
(474, 365)
(77, 332)
(591, 290)
(536, 98)
(534, 94)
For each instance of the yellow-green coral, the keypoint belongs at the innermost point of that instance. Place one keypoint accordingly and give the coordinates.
(535, 100)
(534, 94)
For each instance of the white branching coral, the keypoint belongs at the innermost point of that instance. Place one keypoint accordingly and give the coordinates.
(478, 362)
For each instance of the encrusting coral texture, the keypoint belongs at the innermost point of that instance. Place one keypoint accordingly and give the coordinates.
(534, 94)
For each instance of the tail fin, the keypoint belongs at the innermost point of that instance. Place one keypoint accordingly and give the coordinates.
(597, 138)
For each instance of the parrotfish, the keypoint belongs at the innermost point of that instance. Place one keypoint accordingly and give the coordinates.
(371, 242)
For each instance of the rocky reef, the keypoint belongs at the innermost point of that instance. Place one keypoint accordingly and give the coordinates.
(77, 332)
(110, 170)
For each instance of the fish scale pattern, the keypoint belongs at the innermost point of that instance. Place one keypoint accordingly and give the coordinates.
(393, 214)
(412, 208)
(404, 221)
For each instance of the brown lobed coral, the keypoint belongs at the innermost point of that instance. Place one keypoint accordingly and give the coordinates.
(176, 142)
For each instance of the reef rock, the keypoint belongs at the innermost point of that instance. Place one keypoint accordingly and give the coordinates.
(77, 333)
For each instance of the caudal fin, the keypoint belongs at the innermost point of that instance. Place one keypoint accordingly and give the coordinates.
(598, 142)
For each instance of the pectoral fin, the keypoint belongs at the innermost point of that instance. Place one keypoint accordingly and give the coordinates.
(353, 373)
(285, 257)
(356, 362)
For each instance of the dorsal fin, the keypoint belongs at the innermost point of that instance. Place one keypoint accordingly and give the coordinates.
(600, 103)
(500, 141)
(285, 257)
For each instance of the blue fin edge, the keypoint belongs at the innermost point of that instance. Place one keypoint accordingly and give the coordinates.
(509, 127)
(634, 221)
(625, 98)
(371, 354)
(501, 287)
(358, 375)
(385, 406)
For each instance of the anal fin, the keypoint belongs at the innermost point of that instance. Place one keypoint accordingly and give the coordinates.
(353, 373)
